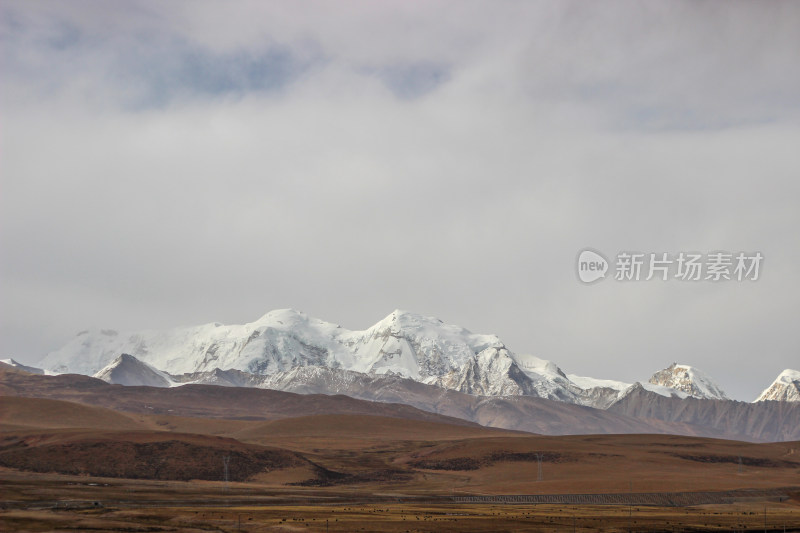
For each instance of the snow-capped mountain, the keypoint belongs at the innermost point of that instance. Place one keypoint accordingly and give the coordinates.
(639, 388)
(688, 380)
(599, 393)
(402, 343)
(785, 388)
(405, 344)
(20, 366)
(279, 345)
(127, 370)
(499, 372)
(422, 362)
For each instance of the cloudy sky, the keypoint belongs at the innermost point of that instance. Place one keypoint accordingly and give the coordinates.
(178, 163)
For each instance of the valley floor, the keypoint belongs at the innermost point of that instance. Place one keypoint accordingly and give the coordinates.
(50, 502)
(78, 466)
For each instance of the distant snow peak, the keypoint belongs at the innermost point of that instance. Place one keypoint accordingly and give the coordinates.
(403, 343)
(20, 366)
(688, 380)
(286, 344)
(127, 370)
(785, 388)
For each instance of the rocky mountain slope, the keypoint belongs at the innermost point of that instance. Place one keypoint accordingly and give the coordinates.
(201, 400)
(643, 410)
(688, 380)
(785, 388)
(765, 421)
(635, 409)
(417, 401)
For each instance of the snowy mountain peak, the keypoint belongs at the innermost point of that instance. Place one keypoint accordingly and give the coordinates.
(530, 364)
(413, 324)
(127, 370)
(288, 342)
(403, 343)
(785, 388)
(688, 380)
(20, 366)
(399, 320)
(414, 345)
(789, 375)
(282, 316)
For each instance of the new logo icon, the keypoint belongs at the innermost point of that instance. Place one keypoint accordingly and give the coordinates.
(591, 266)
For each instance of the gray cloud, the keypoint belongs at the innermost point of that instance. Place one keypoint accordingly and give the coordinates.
(179, 164)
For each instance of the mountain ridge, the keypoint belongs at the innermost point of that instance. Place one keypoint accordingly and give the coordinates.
(411, 345)
(417, 401)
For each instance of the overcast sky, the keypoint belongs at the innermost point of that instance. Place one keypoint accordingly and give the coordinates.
(178, 163)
